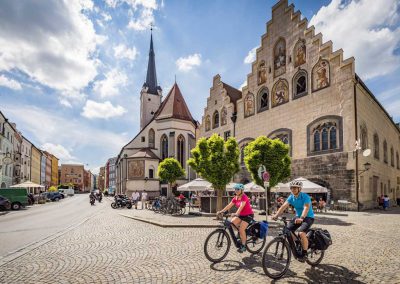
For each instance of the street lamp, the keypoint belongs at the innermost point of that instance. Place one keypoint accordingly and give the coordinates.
(367, 166)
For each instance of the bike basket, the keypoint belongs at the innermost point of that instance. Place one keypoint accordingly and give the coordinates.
(321, 239)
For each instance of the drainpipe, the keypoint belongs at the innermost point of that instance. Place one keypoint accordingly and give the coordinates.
(356, 134)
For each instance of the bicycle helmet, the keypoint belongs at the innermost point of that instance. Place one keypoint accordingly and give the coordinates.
(296, 183)
(238, 186)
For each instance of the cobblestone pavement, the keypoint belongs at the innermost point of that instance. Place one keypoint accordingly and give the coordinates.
(110, 248)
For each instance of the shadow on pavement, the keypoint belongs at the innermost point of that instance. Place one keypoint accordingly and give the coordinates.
(330, 221)
(248, 263)
(331, 273)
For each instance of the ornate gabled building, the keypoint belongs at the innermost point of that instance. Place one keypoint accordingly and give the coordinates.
(167, 129)
(309, 96)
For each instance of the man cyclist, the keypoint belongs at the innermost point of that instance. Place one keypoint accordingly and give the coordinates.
(244, 214)
(304, 218)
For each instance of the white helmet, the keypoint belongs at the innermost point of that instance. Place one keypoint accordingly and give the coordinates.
(296, 183)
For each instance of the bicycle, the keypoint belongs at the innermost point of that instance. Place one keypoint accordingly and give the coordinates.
(284, 244)
(223, 241)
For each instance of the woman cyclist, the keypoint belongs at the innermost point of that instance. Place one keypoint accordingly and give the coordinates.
(243, 215)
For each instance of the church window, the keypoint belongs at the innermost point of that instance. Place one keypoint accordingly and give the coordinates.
(152, 138)
(164, 147)
(151, 173)
(398, 161)
(300, 84)
(325, 135)
(224, 115)
(181, 150)
(385, 157)
(216, 119)
(249, 105)
(392, 157)
(143, 139)
(208, 123)
(284, 135)
(376, 146)
(263, 99)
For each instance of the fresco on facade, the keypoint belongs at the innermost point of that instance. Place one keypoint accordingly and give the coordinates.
(320, 75)
(262, 73)
(280, 93)
(249, 105)
(208, 123)
(280, 58)
(135, 169)
(223, 116)
(299, 53)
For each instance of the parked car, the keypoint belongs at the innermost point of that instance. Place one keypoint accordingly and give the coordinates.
(54, 196)
(17, 196)
(5, 204)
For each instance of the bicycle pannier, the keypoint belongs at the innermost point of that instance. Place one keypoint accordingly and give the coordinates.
(322, 239)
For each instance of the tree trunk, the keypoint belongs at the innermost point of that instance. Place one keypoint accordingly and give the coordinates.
(219, 199)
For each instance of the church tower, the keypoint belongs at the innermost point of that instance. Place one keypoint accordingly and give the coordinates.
(151, 94)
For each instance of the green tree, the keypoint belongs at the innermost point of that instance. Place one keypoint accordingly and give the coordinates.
(52, 189)
(170, 170)
(274, 155)
(216, 161)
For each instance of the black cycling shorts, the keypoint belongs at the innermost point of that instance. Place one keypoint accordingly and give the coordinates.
(302, 227)
(247, 218)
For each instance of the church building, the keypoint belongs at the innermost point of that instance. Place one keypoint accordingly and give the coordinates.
(167, 129)
(306, 94)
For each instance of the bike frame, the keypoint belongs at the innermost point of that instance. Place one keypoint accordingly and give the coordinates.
(287, 236)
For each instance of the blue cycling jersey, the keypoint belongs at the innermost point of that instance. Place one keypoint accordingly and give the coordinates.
(298, 204)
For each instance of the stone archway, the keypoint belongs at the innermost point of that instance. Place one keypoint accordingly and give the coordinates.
(3, 185)
(325, 184)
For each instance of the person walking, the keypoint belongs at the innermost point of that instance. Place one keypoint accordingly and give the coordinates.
(385, 202)
(144, 199)
(135, 196)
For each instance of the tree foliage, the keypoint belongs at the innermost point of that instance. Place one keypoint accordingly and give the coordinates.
(215, 160)
(170, 170)
(273, 154)
(52, 189)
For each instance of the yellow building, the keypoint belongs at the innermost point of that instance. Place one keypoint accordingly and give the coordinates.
(54, 170)
(35, 165)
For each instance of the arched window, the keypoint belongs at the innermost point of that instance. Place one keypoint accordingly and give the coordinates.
(398, 161)
(385, 156)
(392, 157)
(376, 146)
(263, 99)
(151, 172)
(164, 147)
(216, 119)
(152, 138)
(181, 150)
(325, 135)
(364, 136)
(300, 84)
(224, 115)
(208, 123)
(283, 134)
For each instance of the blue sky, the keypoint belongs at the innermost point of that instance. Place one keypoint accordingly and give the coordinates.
(71, 72)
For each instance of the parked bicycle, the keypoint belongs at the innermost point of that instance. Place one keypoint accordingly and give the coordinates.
(277, 255)
(218, 242)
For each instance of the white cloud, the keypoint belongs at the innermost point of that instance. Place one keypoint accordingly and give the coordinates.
(65, 103)
(9, 83)
(122, 51)
(251, 56)
(58, 150)
(104, 110)
(187, 63)
(110, 85)
(244, 84)
(106, 17)
(56, 55)
(365, 30)
(151, 4)
(143, 22)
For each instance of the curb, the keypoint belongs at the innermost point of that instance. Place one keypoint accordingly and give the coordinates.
(163, 225)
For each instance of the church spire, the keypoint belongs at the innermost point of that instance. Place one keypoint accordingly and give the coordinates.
(151, 78)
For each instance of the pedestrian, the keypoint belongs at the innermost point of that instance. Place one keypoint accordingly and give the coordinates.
(321, 205)
(381, 202)
(135, 196)
(385, 202)
(253, 200)
(144, 199)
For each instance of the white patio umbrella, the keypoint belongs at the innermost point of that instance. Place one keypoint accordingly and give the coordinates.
(198, 184)
(252, 187)
(27, 184)
(308, 187)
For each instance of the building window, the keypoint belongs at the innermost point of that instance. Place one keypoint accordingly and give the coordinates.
(143, 139)
(376, 146)
(397, 159)
(227, 134)
(151, 173)
(216, 119)
(364, 136)
(385, 157)
(283, 134)
(263, 99)
(208, 123)
(300, 84)
(152, 138)
(181, 150)
(392, 157)
(164, 147)
(325, 135)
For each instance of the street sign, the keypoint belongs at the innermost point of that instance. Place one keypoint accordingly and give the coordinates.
(266, 176)
(7, 160)
(266, 183)
(261, 170)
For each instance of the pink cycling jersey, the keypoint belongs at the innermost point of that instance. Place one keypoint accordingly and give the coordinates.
(247, 207)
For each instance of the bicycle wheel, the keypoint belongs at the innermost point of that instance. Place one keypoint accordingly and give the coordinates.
(276, 258)
(314, 257)
(216, 246)
(254, 244)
